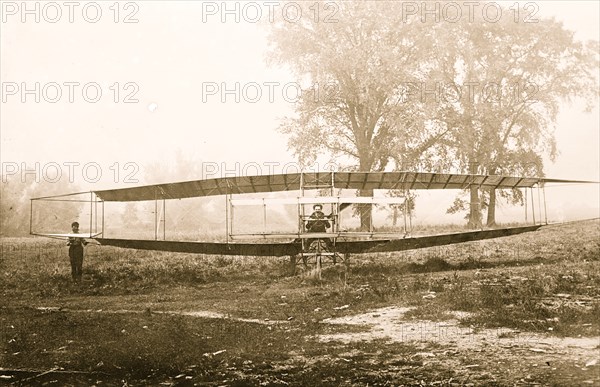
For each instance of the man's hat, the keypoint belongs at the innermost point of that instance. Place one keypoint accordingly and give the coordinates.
(318, 205)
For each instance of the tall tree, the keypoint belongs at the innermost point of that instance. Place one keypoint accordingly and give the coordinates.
(356, 61)
(507, 81)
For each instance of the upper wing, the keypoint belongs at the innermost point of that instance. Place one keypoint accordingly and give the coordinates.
(344, 180)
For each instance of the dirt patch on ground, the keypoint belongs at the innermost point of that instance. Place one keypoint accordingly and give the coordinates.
(195, 313)
(391, 325)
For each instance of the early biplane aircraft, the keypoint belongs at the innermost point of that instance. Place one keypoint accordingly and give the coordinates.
(306, 242)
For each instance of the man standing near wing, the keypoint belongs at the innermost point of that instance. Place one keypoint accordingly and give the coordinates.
(76, 253)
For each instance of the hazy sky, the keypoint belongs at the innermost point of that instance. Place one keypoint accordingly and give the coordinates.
(164, 61)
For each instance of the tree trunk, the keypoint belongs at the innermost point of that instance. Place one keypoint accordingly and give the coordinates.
(474, 206)
(365, 211)
(475, 212)
(395, 215)
(491, 211)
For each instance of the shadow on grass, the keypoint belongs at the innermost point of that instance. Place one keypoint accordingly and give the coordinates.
(436, 264)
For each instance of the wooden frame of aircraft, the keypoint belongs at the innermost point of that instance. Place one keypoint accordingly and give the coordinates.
(332, 244)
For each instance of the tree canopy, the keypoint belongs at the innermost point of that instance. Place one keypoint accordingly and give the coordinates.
(355, 72)
(514, 77)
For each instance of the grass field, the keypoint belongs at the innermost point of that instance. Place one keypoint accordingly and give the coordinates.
(521, 310)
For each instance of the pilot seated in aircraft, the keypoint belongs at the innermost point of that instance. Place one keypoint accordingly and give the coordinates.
(318, 221)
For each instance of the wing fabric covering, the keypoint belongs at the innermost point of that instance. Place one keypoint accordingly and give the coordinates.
(294, 181)
(250, 249)
(71, 235)
(414, 243)
(293, 248)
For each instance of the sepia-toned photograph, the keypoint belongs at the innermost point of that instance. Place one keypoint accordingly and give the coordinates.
(299, 193)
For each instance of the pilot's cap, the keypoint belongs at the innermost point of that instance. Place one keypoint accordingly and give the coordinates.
(318, 207)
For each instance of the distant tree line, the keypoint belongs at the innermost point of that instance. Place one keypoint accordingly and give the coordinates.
(15, 206)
